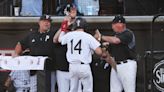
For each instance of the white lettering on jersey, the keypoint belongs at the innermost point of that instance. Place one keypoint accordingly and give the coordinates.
(78, 23)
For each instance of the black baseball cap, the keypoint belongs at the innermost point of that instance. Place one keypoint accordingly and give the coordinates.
(46, 17)
(118, 19)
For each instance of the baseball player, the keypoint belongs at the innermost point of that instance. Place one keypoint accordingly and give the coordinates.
(62, 73)
(21, 80)
(122, 49)
(80, 46)
(33, 83)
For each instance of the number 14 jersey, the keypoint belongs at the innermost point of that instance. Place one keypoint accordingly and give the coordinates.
(80, 46)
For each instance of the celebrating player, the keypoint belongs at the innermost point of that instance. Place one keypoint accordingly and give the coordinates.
(80, 46)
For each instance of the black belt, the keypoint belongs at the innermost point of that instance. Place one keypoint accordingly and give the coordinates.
(79, 63)
(82, 63)
(124, 61)
(26, 90)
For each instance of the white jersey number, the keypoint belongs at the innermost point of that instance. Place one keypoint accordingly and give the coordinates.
(77, 46)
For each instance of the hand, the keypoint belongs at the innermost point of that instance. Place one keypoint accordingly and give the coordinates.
(105, 44)
(104, 53)
(15, 55)
(107, 57)
(64, 26)
(67, 18)
(97, 35)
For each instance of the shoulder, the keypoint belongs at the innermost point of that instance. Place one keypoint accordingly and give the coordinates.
(32, 33)
(72, 33)
(127, 32)
(86, 34)
(52, 32)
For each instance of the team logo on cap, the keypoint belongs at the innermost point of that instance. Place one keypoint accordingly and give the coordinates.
(47, 16)
(158, 75)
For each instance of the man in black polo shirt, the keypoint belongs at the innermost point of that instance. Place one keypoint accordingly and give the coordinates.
(122, 49)
(40, 43)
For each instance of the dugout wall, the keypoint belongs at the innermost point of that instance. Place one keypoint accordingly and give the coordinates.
(12, 29)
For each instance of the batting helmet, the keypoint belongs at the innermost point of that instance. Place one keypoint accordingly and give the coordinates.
(79, 23)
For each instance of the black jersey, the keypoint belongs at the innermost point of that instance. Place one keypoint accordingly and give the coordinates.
(60, 57)
(39, 44)
(126, 49)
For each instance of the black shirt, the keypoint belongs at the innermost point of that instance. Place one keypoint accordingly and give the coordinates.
(60, 57)
(39, 44)
(124, 50)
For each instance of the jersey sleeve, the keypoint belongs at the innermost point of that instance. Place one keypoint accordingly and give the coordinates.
(25, 42)
(93, 43)
(64, 39)
(125, 37)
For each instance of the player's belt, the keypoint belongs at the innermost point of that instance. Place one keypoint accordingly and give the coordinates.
(79, 63)
(26, 90)
(82, 63)
(121, 62)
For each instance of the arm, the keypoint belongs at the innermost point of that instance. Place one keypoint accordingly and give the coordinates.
(56, 37)
(98, 51)
(111, 39)
(62, 33)
(109, 59)
(104, 54)
(64, 27)
(8, 82)
(126, 37)
(18, 49)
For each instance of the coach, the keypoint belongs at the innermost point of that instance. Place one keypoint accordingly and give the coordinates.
(122, 49)
(40, 43)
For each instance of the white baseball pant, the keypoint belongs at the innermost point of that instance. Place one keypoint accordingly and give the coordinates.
(53, 81)
(33, 83)
(81, 72)
(63, 81)
(124, 78)
(23, 90)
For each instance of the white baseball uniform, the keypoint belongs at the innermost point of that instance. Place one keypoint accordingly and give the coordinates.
(33, 83)
(124, 54)
(80, 46)
(21, 80)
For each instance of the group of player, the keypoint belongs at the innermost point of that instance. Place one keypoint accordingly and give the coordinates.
(74, 48)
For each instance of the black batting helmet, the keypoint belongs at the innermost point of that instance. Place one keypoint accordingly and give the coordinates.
(80, 23)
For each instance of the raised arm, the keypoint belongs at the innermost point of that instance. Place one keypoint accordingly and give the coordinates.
(110, 39)
(56, 36)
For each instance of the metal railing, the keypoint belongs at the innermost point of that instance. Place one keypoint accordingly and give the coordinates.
(90, 19)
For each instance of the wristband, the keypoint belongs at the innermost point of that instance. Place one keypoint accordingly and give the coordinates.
(64, 26)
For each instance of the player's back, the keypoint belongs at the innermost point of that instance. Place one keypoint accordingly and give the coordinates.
(80, 46)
